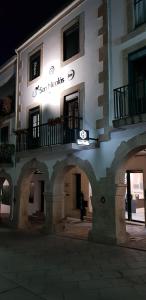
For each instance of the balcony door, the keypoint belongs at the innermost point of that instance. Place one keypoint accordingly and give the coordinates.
(34, 128)
(71, 117)
(137, 81)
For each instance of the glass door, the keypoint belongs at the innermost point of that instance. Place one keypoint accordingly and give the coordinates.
(135, 210)
(71, 117)
(34, 127)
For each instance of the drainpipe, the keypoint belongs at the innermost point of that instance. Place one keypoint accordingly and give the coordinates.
(17, 89)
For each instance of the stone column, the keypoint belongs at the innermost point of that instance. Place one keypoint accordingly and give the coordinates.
(48, 226)
(108, 224)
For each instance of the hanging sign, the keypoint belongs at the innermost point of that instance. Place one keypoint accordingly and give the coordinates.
(83, 137)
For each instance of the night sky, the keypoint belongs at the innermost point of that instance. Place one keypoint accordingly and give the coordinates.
(20, 19)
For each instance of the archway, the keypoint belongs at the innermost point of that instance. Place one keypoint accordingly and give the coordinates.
(6, 196)
(69, 178)
(30, 209)
(128, 158)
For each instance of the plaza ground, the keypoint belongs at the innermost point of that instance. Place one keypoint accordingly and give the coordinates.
(64, 267)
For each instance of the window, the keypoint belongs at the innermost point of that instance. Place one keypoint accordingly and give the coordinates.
(4, 135)
(139, 12)
(34, 65)
(71, 43)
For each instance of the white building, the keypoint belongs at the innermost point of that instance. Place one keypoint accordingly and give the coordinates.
(83, 70)
(7, 137)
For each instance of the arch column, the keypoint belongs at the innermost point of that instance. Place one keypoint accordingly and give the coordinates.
(104, 223)
(48, 226)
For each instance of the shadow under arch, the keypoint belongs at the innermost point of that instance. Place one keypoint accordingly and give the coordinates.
(57, 183)
(22, 189)
(117, 171)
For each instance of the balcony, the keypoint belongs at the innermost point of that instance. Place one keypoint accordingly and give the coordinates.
(6, 153)
(54, 132)
(130, 104)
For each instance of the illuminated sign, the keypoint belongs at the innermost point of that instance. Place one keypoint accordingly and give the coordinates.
(60, 80)
(83, 137)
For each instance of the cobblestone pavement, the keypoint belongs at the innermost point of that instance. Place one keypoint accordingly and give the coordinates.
(53, 267)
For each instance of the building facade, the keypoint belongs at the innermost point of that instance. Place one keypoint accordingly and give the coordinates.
(80, 119)
(7, 138)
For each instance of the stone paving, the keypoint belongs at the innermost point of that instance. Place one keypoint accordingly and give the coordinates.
(53, 267)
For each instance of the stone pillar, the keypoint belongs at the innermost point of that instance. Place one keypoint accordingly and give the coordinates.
(54, 212)
(120, 213)
(109, 213)
(48, 226)
(104, 227)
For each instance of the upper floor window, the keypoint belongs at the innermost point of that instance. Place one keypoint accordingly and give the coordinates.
(4, 131)
(71, 45)
(34, 65)
(139, 12)
(73, 39)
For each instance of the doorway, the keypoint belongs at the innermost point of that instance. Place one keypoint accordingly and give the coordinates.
(71, 117)
(134, 200)
(34, 127)
(137, 82)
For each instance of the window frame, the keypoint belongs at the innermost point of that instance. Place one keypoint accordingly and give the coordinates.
(137, 15)
(78, 19)
(30, 55)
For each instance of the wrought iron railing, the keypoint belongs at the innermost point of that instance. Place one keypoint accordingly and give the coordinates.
(48, 134)
(130, 100)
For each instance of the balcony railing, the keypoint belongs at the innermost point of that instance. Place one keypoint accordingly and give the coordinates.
(48, 134)
(130, 100)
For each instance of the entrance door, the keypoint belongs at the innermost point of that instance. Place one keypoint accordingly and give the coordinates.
(135, 196)
(34, 128)
(137, 81)
(71, 117)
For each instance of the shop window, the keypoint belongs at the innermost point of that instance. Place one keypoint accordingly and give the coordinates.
(34, 65)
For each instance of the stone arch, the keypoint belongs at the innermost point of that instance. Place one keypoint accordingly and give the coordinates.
(117, 173)
(56, 184)
(22, 190)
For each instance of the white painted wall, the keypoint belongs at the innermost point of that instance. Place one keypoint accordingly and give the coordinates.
(86, 68)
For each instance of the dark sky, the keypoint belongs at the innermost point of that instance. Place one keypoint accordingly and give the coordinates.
(19, 19)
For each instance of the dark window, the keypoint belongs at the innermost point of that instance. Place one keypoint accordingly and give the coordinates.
(71, 43)
(34, 65)
(139, 12)
(4, 135)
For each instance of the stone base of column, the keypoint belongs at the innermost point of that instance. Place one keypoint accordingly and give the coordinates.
(98, 237)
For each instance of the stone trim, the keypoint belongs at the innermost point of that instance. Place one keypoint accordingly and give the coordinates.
(104, 137)
(99, 123)
(103, 75)
(101, 100)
